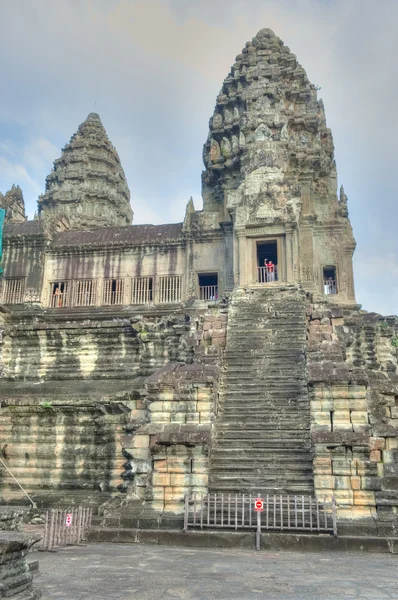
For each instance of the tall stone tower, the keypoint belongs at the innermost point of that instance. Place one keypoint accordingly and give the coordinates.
(269, 166)
(14, 205)
(87, 183)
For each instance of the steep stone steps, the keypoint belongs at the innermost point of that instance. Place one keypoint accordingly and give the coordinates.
(262, 433)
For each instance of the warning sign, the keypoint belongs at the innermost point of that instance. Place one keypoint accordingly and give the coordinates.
(259, 505)
(68, 519)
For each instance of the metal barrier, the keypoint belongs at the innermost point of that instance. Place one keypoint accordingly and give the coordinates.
(66, 527)
(280, 513)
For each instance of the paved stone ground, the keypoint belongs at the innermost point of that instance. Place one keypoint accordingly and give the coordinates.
(138, 572)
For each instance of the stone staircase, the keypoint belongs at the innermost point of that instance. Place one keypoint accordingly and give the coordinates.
(262, 440)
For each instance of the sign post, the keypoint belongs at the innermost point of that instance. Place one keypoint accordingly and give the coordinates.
(258, 507)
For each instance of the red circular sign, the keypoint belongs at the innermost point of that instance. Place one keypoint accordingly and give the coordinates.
(258, 504)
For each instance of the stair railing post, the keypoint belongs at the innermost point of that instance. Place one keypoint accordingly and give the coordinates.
(334, 513)
(186, 512)
(258, 531)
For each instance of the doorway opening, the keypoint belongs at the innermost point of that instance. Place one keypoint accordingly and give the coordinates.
(329, 280)
(208, 286)
(267, 262)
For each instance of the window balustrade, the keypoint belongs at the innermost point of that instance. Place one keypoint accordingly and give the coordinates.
(14, 290)
(208, 292)
(59, 294)
(268, 274)
(330, 286)
(169, 289)
(141, 290)
(113, 291)
(85, 292)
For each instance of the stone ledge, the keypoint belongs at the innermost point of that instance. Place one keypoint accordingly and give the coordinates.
(232, 539)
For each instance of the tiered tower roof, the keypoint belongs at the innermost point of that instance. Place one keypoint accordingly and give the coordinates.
(87, 183)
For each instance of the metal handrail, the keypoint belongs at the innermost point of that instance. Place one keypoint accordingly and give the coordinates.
(17, 482)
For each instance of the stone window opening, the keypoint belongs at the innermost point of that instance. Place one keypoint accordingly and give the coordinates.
(59, 294)
(85, 293)
(141, 290)
(170, 289)
(113, 292)
(208, 286)
(267, 262)
(331, 420)
(396, 400)
(14, 290)
(329, 281)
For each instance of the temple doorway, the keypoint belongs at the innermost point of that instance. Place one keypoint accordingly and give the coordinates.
(267, 262)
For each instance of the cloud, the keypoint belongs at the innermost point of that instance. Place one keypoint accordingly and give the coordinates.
(15, 173)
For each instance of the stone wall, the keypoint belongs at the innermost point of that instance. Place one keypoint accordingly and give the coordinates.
(91, 345)
(122, 405)
(353, 381)
(168, 433)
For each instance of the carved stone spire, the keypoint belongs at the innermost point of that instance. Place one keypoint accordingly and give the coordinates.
(268, 133)
(14, 205)
(343, 203)
(87, 183)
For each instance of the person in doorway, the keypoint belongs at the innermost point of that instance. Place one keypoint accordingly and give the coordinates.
(58, 297)
(270, 271)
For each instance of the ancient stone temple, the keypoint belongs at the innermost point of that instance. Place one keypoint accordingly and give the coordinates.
(223, 353)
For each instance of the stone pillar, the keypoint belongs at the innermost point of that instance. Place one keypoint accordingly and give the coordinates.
(350, 291)
(289, 254)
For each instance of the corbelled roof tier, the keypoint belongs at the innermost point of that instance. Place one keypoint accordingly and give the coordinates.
(87, 183)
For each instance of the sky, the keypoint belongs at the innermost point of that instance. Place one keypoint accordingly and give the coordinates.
(152, 69)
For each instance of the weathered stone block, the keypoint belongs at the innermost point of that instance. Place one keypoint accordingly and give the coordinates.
(342, 467)
(157, 406)
(179, 417)
(341, 405)
(204, 406)
(316, 406)
(359, 417)
(206, 417)
(178, 464)
(175, 494)
(174, 507)
(158, 493)
(375, 456)
(200, 465)
(322, 466)
(364, 498)
(344, 497)
(355, 483)
(140, 453)
(160, 417)
(342, 482)
(377, 443)
(161, 479)
(137, 415)
(160, 465)
(391, 443)
(192, 418)
(189, 480)
(341, 417)
(323, 482)
(371, 483)
(322, 419)
(141, 441)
